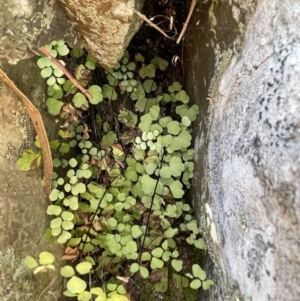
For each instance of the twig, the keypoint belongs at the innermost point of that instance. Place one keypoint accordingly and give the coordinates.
(185, 24)
(51, 283)
(151, 23)
(40, 130)
(66, 72)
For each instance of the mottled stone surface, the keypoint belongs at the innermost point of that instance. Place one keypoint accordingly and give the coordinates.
(27, 25)
(248, 166)
(23, 203)
(106, 26)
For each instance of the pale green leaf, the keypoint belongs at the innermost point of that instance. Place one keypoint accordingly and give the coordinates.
(62, 50)
(176, 189)
(83, 267)
(207, 284)
(64, 237)
(67, 271)
(30, 262)
(144, 272)
(149, 85)
(76, 285)
(67, 216)
(177, 265)
(96, 92)
(54, 210)
(109, 92)
(121, 290)
(79, 100)
(39, 269)
(160, 63)
(134, 268)
(195, 284)
(173, 127)
(67, 225)
(156, 263)
(54, 106)
(44, 62)
(46, 258)
(147, 71)
(46, 72)
(56, 222)
(157, 252)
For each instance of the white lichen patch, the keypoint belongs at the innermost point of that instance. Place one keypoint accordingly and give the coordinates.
(213, 232)
(210, 225)
(14, 277)
(208, 210)
(10, 155)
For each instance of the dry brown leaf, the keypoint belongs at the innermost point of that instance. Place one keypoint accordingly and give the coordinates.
(97, 226)
(156, 275)
(70, 254)
(71, 251)
(69, 257)
(124, 279)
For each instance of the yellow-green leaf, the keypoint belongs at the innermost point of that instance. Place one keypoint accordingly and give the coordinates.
(30, 262)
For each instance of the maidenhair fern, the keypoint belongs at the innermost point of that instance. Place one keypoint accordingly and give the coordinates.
(120, 202)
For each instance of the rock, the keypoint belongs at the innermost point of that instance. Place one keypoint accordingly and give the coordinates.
(28, 24)
(23, 203)
(248, 166)
(105, 26)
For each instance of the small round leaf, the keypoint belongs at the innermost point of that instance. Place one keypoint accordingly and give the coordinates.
(67, 271)
(30, 262)
(76, 285)
(177, 265)
(67, 216)
(134, 268)
(46, 72)
(207, 284)
(156, 263)
(67, 225)
(46, 258)
(79, 100)
(195, 284)
(144, 272)
(96, 92)
(54, 106)
(83, 267)
(157, 252)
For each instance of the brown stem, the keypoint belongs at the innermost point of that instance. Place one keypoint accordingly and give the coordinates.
(66, 72)
(40, 130)
(151, 23)
(185, 24)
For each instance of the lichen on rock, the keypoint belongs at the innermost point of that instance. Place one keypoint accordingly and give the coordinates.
(27, 24)
(14, 277)
(248, 159)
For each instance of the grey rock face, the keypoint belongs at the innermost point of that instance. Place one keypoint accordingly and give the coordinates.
(252, 209)
(105, 26)
(28, 24)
